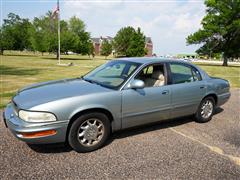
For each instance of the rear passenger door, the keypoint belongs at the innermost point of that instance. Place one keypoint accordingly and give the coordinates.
(187, 89)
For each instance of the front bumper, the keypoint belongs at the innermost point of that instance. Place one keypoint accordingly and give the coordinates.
(18, 126)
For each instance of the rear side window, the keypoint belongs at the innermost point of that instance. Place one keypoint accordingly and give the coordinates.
(196, 75)
(184, 74)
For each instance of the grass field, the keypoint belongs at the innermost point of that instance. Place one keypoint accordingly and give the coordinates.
(19, 70)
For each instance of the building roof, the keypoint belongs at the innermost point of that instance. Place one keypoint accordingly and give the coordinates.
(148, 40)
(98, 40)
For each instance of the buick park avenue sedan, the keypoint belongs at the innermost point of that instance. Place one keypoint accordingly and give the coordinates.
(120, 94)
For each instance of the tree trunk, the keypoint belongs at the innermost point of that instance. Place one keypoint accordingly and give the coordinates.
(1, 52)
(42, 53)
(225, 61)
(57, 55)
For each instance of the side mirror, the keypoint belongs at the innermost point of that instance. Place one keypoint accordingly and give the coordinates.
(137, 84)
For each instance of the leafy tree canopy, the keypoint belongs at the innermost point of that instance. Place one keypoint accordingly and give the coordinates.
(106, 48)
(136, 45)
(129, 42)
(220, 32)
(15, 33)
(42, 34)
(77, 26)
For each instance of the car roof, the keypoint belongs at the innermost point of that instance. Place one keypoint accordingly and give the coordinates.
(150, 60)
(147, 60)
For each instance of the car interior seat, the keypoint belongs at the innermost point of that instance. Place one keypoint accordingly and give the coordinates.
(157, 79)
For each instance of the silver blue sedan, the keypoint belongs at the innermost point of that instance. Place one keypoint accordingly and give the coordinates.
(120, 94)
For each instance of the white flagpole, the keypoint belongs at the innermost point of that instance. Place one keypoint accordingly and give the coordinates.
(59, 46)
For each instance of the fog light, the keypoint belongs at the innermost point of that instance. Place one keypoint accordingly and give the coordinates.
(38, 134)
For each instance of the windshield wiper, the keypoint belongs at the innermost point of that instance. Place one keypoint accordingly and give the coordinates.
(88, 80)
(93, 82)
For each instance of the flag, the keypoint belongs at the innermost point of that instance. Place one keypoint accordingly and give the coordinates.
(55, 11)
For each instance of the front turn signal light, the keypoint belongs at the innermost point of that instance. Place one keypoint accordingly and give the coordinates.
(38, 134)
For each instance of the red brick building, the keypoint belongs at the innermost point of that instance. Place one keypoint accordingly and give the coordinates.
(149, 46)
(98, 41)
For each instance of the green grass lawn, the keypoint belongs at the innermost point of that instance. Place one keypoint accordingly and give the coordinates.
(19, 70)
(230, 73)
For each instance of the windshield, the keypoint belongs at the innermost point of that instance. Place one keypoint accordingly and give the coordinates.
(112, 74)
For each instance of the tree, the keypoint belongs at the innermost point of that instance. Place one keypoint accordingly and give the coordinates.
(83, 43)
(1, 41)
(91, 49)
(68, 38)
(51, 29)
(129, 42)
(220, 32)
(106, 48)
(42, 35)
(77, 26)
(15, 33)
(39, 37)
(122, 40)
(45, 35)
(6, 40)
(137, 45)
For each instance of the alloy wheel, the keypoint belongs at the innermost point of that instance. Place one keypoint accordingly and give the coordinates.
(90, 132)
(207, 109)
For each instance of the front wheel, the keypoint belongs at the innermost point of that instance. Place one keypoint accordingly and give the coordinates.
(205, 110)
(89, 132)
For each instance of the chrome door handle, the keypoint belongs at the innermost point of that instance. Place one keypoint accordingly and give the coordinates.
(165, 92)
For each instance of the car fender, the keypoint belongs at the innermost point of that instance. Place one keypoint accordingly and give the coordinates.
(116, 122)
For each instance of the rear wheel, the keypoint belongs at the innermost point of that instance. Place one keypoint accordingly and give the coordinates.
(89, 132)
(205, 110)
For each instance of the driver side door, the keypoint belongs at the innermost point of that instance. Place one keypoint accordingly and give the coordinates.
(142, 106)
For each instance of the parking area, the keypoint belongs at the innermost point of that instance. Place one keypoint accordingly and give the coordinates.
(176, 149)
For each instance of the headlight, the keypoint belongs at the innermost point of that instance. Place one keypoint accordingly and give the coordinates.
(31, 116)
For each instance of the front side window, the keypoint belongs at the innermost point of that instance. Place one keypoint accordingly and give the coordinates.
(112, 74)
(183, 74)
(152, 75)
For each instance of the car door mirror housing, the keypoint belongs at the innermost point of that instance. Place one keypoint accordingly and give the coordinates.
(137, 84)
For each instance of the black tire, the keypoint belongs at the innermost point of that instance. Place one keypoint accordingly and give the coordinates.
(199, 117)
(73, 136)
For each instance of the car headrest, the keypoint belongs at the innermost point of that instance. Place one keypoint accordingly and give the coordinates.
(158, 75)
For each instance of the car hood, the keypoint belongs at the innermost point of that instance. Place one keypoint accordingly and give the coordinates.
(55, 90)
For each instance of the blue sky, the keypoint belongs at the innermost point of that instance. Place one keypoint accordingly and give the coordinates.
(167, 22)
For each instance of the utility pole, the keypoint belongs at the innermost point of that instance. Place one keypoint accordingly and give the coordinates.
(59, 44)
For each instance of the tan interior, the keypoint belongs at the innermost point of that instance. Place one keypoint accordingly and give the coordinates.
(157, 79)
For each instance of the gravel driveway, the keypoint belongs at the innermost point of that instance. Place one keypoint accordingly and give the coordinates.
(177, 149)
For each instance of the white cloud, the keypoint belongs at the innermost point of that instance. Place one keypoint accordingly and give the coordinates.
(167, 22)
